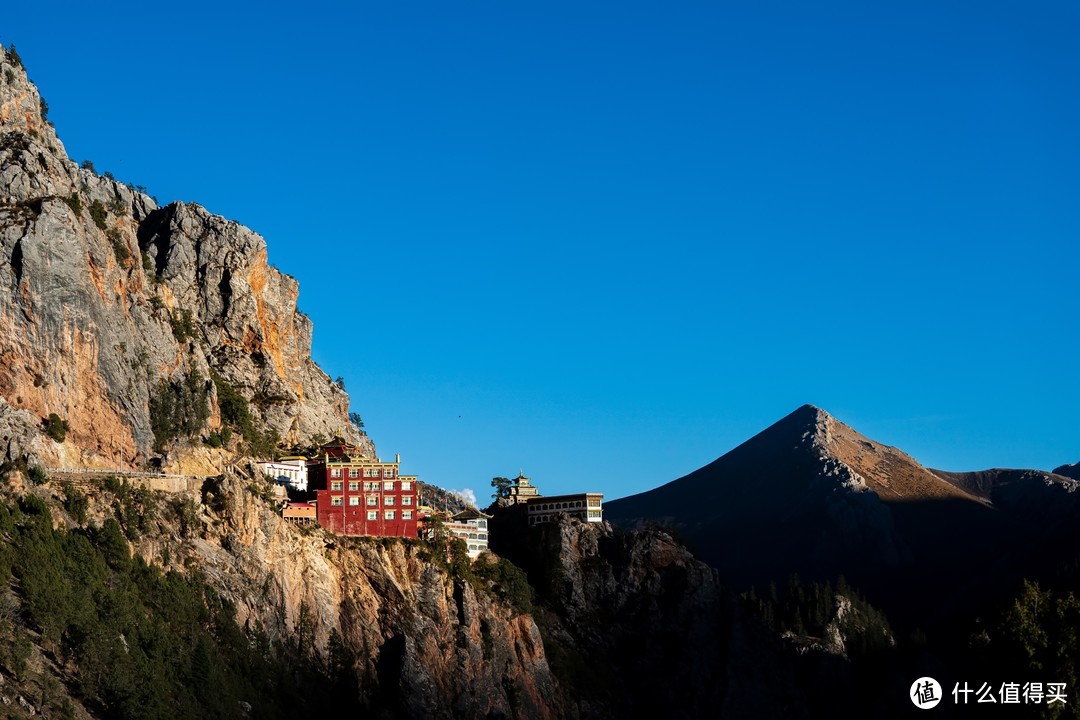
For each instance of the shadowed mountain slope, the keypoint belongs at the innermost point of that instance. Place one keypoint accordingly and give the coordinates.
(810, 495)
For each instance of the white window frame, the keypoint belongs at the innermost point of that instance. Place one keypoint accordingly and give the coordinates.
(354, 500)
(335, 500)
(388, 485)
(388, 514)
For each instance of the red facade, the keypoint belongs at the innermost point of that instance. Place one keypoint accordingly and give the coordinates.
(355, 495)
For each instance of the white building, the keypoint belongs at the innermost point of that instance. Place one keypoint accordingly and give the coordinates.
(291, 471)
(470, 525)
(588, 507)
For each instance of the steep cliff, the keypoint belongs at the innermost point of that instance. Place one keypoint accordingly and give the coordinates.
(426, 643)
(637, 627)
(107, 295)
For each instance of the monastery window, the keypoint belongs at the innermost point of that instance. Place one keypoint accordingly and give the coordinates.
(406, 485)
(372, 500)
(354, 500)
(388, 472)
(482, 536)
(407, 500)
(482, 524)
(371, 486)
(388, 501)
(388, 514)
(354, 486)
(406, 514)
(335, 500)
(335, 472)
(594, 502)
(595, 513)
(335, 485)
(372, 514)
(371, 472)
(388, 485)
(354, 472)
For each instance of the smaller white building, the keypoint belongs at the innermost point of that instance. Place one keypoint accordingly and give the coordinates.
(291, 471)
(470, 525)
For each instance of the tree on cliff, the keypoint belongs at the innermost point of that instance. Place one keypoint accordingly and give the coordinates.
(502, 487)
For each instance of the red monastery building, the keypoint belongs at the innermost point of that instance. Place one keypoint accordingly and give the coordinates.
(357, 495)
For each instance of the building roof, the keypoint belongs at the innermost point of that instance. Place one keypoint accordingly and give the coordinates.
(470, 514)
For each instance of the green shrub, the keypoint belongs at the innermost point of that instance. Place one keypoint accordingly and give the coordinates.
(37, 476)
(13, 56)
(75, 502)
(507, 581)
(178, 409)
(87, 165)
(56, 427)
(74, 202)
(9, 76)
(117, 206)
(44, 108)
(236, 413)
(97, 214)
(120, 248)
(183, 327)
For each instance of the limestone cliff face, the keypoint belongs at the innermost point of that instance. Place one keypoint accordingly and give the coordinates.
(426, 645)
(95, 275)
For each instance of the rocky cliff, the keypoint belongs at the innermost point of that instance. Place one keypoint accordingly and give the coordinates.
(426, 643)
(107, 295)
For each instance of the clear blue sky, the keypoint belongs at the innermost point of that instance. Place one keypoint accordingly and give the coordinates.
(606, 243)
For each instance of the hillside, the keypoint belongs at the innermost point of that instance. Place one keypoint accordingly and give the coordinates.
(812, 496)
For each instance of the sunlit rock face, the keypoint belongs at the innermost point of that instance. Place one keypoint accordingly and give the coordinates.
(96, 277)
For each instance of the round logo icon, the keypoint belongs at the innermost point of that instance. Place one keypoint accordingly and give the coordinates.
(925, 693)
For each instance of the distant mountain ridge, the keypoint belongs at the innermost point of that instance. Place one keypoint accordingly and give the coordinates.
(810, 495)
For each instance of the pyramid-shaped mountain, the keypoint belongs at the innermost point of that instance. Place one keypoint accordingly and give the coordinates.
(811, 496)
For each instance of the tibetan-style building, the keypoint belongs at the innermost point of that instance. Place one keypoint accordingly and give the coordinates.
(357, 495)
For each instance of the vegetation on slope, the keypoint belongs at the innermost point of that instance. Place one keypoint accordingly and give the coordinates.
(130, 640)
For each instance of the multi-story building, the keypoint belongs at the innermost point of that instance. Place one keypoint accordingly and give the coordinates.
(357, 495)
(291, 471)
(470, 525)
(585, 506)
(522, 490)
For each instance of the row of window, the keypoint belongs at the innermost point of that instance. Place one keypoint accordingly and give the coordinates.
(471, 536)
(535, 519)
(335, 472)
(354, 486)
(373, 500)
(569, 505)
(374, 514)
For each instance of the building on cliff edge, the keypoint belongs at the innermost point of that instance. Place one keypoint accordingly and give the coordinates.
(470, 525)
(291, 471)
(357, 495)
(587, 507)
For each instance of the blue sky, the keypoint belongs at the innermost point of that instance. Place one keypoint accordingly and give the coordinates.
(606, 243)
